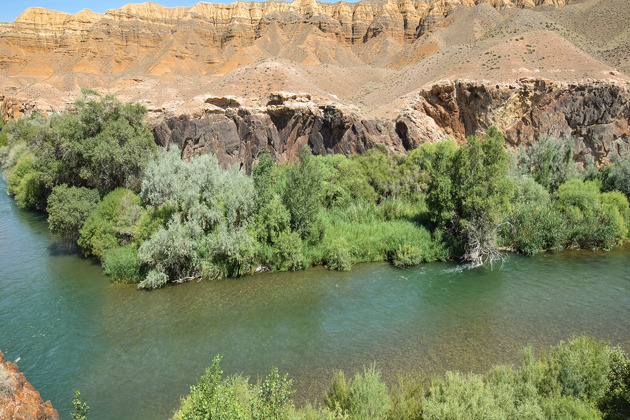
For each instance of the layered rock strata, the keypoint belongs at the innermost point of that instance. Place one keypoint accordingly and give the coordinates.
(18, 399)
(149, 38)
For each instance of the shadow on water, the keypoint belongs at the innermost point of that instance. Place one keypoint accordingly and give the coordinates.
(59, 249)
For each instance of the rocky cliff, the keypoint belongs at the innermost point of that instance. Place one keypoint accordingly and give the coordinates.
(18, 399)
(596, 115)
(208, 38)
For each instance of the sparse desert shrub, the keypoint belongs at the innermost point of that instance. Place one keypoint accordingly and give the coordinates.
(6, 387)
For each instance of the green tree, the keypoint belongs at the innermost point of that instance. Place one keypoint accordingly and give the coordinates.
(470, 194)
(68, 208)
(301, 195)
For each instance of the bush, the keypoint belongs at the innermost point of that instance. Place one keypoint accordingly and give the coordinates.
(617, 176)
(215, 397)
(367, 397)
(113, 223)
(407, 256)
(535, 227)
(580, 369)
(579, 200)
(338, 256)
(301, 195)
(68, 208)
(287, 251)
(123, 264)
(616, 401)
(170, 254)
(549, 161)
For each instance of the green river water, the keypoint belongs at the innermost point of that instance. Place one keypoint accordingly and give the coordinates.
(133, 353)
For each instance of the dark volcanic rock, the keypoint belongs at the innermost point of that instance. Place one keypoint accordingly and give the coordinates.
(237, 136)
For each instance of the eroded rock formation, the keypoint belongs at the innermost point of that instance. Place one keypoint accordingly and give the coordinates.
(18, 399)
(289, 121)
(596, 115)
(206, 38)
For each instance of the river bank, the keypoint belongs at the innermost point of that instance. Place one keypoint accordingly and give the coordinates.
(118, 343)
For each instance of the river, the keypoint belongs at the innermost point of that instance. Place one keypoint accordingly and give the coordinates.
(133, 353)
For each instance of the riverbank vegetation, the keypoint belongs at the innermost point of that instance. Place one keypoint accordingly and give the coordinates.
(151, 218)
(581, 379)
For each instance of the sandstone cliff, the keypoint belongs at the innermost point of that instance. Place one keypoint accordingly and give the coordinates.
(208, 38)
(18, 399)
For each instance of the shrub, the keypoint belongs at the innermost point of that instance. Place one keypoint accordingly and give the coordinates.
(527, 190)
(273, 397)
(580, 369)
(68, 208)
(271, 220)
(123, 264)
(549, 161)
(81, 409)
(616, 401)
(29, 193)
(617, 176)
(534, 227)
(615, 206)
(301, 195)
(579, 200)
(170, 254)
(338, 395)
(565, 408)
(367, 397)
(338, 256)
(215, 397)
(287, 251)
(407, 256)
(113, 223)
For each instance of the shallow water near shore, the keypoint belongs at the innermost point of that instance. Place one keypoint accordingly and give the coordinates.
(133, 353)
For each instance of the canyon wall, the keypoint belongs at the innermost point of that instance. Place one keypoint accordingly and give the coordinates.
(596, 115)
(151, 39)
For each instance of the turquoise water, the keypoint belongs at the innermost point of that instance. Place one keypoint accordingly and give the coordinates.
(133, 353)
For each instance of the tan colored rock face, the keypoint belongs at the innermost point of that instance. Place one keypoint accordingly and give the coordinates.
(149, 38)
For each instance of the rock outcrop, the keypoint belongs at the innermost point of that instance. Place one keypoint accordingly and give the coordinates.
(289, 121)
(18, 399)
(596, 115)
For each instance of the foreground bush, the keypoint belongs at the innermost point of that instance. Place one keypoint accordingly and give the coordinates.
(581, 379)
(215, 397)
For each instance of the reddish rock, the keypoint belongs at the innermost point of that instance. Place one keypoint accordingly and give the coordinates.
(18, 399)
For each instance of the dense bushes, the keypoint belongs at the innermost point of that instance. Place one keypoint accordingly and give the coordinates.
(68, 208)
(100, 144)
(194, 219)
(581, 379)
(215, 397)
